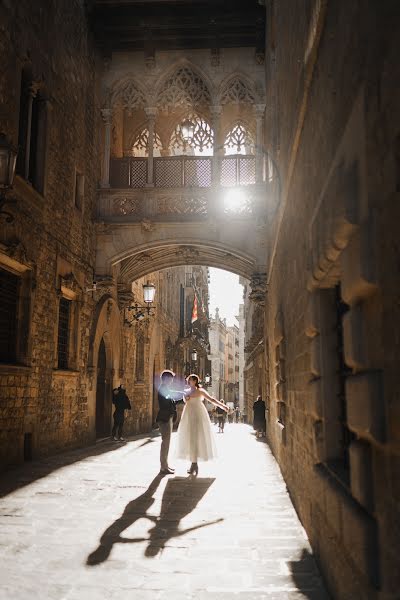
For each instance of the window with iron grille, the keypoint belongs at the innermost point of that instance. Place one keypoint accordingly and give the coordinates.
(63, 332)
(9, 295)
(343, 372)
(32, 132)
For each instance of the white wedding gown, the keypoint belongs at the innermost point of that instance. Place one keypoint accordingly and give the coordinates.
(195, 436)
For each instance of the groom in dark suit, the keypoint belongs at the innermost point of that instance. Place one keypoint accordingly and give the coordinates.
(167, 416)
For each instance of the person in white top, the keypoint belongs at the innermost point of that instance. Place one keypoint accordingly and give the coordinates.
(195, 436)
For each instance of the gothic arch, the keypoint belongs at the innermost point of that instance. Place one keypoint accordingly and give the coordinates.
(142, 260)
(128, 93)
(238, 88)
(248, 131)
(107, 327)
(138, 131)
(205, 92)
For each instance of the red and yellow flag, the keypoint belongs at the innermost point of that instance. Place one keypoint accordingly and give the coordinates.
(194, 311)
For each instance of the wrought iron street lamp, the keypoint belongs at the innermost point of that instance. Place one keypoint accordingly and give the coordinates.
(207, 380)
(194, 355)
(138, 313)
(8, 157)
(187, 130)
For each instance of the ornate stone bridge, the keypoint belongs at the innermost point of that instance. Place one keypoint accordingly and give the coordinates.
(186, 178)
(141, 230)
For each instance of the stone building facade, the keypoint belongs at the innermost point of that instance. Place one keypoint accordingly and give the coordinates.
(231, 393)
(332, 303)
(225, 361)
(64, 341)
(47, 252)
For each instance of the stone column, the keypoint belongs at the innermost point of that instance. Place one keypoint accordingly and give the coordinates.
(215, 197)
(106, 114)
(216, 126)
(151, 113)
(32, 91)
(259, 110)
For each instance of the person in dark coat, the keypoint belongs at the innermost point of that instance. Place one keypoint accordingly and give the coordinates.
(259, 423)
(121, 402)
(167, 414)
(221, 413)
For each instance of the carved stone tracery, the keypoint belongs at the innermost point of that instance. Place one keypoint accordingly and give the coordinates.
(184, 88)
(237, 92)
(128, 96)
(140, 146)
(188, 253)
(258, 284)
(239, 137)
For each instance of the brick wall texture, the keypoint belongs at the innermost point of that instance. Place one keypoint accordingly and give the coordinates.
(330, 73)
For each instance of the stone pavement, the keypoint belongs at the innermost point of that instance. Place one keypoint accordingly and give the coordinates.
(102, 524)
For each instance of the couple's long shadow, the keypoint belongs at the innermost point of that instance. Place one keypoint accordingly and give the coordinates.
(181, 496)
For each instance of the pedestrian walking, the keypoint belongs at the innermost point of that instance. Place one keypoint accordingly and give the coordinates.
(195, 436)
(221, 416)
(259, 423)
(121, 402)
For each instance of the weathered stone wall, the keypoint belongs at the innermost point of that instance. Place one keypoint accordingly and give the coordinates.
(50, 238)
(335, 135)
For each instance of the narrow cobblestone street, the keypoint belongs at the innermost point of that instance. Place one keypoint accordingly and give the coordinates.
(100, 523)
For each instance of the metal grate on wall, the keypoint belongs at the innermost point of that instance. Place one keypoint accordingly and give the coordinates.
(63, 332)
(9, 294)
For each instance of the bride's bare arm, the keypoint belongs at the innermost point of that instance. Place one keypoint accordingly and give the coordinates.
(213, 400)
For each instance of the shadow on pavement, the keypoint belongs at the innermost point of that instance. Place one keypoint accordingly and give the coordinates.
(19, 476)
(305, 575)
(181, 496)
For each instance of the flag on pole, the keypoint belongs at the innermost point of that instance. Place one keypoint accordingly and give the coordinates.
(194, 311)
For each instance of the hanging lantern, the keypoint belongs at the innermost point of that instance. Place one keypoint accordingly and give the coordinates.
(187, 130)
(149, 291)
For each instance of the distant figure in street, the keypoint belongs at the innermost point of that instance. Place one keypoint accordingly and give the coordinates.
(167, 415)
(259, 423)
(195, 435)
(121, 402)
(221, 416)
(244, 415)
(237, 414)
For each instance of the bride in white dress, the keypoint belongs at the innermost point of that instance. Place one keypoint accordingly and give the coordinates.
(195, 436)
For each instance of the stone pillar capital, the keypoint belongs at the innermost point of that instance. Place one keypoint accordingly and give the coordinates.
(151, 112)
(216, 110)
(259, 110)
(258, 284)
(106, 114)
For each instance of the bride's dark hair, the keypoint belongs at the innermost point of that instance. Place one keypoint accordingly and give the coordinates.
(196, 378)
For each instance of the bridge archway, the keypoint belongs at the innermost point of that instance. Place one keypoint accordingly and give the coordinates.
(158, 256)
(132, 250)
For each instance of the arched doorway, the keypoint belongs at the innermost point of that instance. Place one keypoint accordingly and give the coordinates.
(103, 401)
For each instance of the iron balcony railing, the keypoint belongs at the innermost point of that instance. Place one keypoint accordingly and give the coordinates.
(183, 171)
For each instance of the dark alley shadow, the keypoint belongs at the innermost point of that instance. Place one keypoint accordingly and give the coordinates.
(305, 575)
(181, 496)
(16, 477)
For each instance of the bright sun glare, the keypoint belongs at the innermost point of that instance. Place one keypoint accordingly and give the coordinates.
(234, 200)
